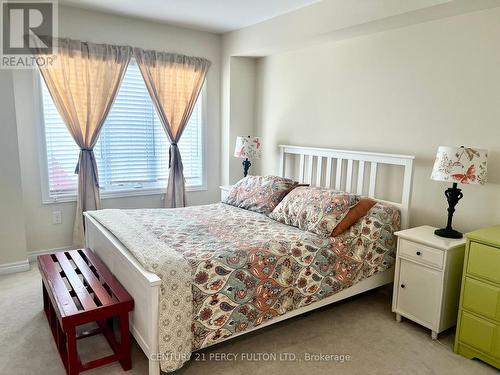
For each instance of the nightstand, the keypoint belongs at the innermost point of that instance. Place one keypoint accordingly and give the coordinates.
(427, 278)
(224, 191)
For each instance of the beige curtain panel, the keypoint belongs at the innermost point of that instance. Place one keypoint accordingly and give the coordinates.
(83, 83)
(174, 83)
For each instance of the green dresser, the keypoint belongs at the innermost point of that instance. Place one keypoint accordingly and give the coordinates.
(478, 327)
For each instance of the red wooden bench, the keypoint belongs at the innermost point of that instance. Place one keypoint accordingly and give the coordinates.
(78, 289)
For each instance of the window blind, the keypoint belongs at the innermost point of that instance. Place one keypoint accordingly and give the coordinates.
(132, 149)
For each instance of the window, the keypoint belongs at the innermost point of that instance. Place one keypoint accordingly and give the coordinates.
(132, 150)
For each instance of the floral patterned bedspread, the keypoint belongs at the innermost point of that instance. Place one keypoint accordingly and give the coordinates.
(247, 268)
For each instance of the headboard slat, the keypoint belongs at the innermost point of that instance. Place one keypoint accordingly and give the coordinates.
(319, 169)
(328, 172)
(373, 179)
(338, 175)
(361, 158)
(361, 177)
(348, 183)
(301, 168)
(310, 160)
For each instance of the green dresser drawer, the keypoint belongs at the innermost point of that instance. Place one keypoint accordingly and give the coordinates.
(482, 298)
(480, 334)
(484, 261)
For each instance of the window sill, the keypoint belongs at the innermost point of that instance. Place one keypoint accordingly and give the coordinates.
(120, 194)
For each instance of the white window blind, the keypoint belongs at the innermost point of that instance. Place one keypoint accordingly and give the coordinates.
(132, 150)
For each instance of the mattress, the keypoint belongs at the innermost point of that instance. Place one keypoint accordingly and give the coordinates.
(225, 270)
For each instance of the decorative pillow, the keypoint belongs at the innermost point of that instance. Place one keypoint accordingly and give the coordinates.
(355, 213)
(259, 194)
(315, 210)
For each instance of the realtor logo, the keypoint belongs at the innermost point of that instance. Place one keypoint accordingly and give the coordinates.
(29, 31)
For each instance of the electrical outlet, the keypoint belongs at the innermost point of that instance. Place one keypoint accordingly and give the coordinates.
(56, 217)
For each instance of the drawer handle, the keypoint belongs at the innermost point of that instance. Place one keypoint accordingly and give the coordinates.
(403, 286)
(419, 253)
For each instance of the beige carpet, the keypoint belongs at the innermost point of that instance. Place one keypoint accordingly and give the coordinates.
(362, 327)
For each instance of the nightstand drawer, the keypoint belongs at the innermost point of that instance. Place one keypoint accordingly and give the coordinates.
(484, 261)
(421, 253)
(480, 334)
(482, 298)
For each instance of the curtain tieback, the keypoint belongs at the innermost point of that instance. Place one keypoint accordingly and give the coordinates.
(170, 154)
(92, 159)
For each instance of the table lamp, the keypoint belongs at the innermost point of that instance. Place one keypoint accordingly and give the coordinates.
(460, 165)
(248, 148)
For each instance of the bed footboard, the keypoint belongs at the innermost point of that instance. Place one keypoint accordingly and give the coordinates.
(142, 285)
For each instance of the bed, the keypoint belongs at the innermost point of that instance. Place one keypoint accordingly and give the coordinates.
(231, 271)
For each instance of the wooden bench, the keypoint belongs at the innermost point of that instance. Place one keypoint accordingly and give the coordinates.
(78, 289)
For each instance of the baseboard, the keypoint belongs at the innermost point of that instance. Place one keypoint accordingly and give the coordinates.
(33, 254)
(21, 266)
(24, 265)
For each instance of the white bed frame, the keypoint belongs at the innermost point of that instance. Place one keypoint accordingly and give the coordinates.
(341, 169)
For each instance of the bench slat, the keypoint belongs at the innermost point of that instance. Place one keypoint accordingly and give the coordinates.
(77, 285)
(92, 280)
(120, 293)
(59, 291)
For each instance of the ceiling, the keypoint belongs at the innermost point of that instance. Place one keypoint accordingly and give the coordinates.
(217, 16)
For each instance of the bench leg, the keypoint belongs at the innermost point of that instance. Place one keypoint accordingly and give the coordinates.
(126, 361)
(61, 340)
(73, 365)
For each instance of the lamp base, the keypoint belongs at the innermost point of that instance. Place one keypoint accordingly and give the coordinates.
(453, 195)
(448, 233)
(246, 164)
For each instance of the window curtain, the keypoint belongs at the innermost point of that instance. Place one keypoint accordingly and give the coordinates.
(83, 82)
(174, 83)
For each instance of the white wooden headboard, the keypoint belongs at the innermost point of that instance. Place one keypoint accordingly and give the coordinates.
(326, 167)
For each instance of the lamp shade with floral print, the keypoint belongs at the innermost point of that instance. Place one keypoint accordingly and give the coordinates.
(248, 147)
(462, 165)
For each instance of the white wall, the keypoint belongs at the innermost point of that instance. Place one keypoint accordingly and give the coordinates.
(323, 22)
(101, 27)
(242, 111)
(12, 229)
(406, 90)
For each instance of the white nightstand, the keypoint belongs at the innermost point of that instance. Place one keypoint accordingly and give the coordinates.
(224, 191)
(427, 278)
